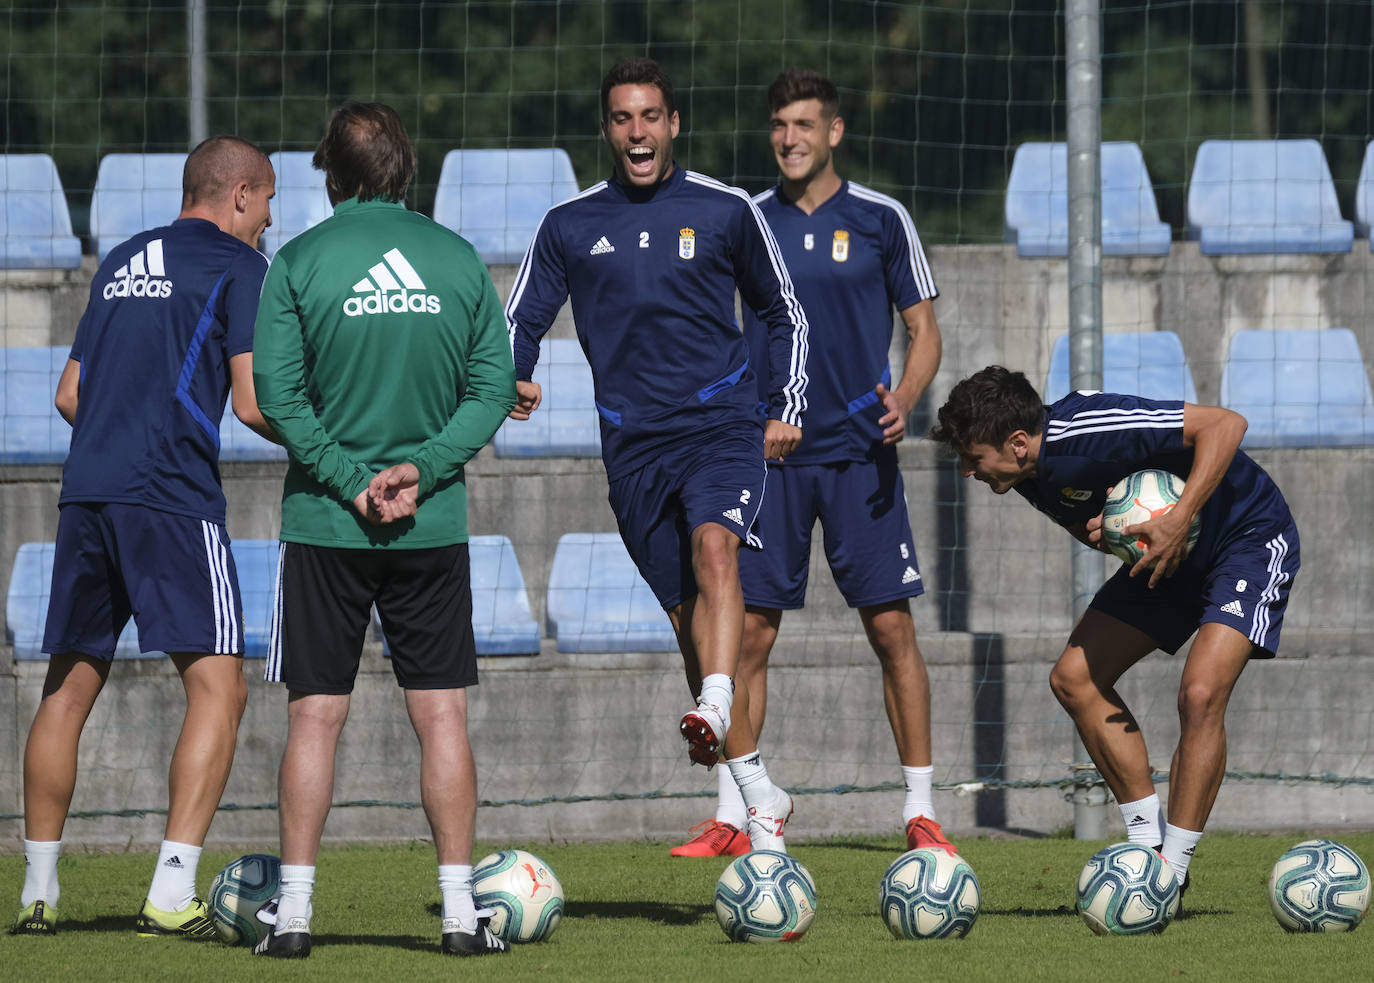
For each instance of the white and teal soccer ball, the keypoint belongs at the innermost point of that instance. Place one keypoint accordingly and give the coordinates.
(929, 894)
(1319, 886)
(239, 892)
(765, 896)
(1127, 889)
(1138, 498)
(524, 893)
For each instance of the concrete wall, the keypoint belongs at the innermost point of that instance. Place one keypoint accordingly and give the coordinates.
(994, 618)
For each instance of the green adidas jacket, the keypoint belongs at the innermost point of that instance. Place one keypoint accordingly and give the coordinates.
(380, 339)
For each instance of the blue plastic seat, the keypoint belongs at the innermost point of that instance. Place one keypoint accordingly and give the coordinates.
(566, 423)
(1364, 196)
(35, 226)
(134, 192)
(31, 429)
(1141, 363)
(598, 602)
(256, 561)
(26, 608)
(238, 443)
(1037, 205)
(1265, 196)
(1299, 388)
(301, 200)
(496, 198)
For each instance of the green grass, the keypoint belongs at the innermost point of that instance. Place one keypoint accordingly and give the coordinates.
(634, 913)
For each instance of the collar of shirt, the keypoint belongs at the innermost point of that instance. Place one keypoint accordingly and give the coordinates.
(354, 204)
(637, 195)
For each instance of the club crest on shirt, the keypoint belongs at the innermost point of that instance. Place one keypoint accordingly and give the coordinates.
(839, 246)
(686, 243)
(1075, 494)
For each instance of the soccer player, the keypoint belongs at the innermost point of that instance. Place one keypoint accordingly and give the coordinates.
(383, 362)
(855, 257)
(652, 258)
(167, 332)
(1231, 588)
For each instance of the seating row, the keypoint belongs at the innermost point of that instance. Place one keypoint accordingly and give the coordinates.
(597, 601)
(493, 198)
(1297, 388)
(1244, 196)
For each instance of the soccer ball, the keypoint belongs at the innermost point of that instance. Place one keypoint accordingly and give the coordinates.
(1127, 889)
(929, 894)
(1319, 886)
(239, 892)
(765, 896)
(524, 893)
(1137, 498)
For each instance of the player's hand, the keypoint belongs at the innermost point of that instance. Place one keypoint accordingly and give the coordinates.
(893, 421)
(363, 506)
(394, 493)
(1092, 531)
(1166, 537)
(528, 396)
(780, 439)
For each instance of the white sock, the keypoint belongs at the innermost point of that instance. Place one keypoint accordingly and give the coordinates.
(1144, 821)
(40, 872)
(297, 887)
(718, 691)
(918, 779)
(755, 787)
(1178, 848)
(174, 878)
(455, 883)
(729, 802)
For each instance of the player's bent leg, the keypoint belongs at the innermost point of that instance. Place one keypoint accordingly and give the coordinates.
(70, 689)
(306, 782)
(760, 633)
(717, 622)
(216, 695)
(448, 773)
(1099, 650)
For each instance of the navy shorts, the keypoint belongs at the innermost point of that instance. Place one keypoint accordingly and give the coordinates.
(717, 477)
(174, 574)
(1246, 587)
(324, 605)
(861, 506)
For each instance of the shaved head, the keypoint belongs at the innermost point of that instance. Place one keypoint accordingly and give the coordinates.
(217, 166)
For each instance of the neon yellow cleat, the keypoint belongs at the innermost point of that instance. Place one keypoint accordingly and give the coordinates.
(38, 918)
(193, 921)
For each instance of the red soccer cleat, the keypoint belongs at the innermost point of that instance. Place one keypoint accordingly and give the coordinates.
(704, 731)
(713, 838)
(925, 832)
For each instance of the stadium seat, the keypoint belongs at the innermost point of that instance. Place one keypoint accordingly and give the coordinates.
(1037, 205)
(1299, 388)
(26, 608)
(1143, 363)
(566, 423)
(238, 443)
(32, 431)
(1364, 197)
(35, 226)
(256, 561)
(301, 201)
(134, 192)
(496, 198)
(1265, 196)
(598, 602)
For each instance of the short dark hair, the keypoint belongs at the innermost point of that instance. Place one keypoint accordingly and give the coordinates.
(987, 408)
(366, 153)
(636, 71)
(216, 165)
(797, 84)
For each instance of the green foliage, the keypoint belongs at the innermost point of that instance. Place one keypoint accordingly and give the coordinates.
(634, 913)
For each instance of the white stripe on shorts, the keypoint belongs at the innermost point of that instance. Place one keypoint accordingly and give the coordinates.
(272, 671)
(221, 590)
(1259, 621)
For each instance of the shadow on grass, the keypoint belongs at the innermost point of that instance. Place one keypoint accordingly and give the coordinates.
(662, 914)
(414, 943)
(1063, 911)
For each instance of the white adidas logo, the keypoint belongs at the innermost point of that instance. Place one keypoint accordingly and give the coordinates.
(387, 290)
(734, 515)
(910, 575)
(1233, 608)
(603, 245)
(143, 276)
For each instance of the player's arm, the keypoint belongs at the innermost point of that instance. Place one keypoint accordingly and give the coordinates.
(1214, 433)
(244, 397)
(766, 287)
(68, 388)
(540, 290)
(922, 361)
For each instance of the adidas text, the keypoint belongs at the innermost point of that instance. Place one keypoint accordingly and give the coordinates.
(603, 245)
(391, 287)
(145, 275)
(910, 575)
(735, 516)
(1233, 608)
(397, 303)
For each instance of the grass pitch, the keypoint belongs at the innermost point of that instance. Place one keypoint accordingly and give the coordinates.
(634, 913)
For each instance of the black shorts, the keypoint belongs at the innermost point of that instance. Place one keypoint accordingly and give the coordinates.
(324, 606)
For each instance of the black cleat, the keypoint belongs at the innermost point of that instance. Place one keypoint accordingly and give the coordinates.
(294, 943)
(481, 942)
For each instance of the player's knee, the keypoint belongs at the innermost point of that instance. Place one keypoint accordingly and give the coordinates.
(1200, 704)
(1068, 685)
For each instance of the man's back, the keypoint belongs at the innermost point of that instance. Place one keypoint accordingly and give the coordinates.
(168, 309)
